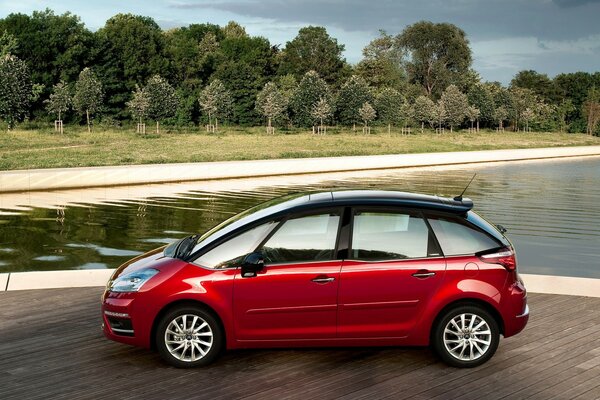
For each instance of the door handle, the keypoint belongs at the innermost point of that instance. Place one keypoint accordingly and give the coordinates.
(323, 280)
(423, 274)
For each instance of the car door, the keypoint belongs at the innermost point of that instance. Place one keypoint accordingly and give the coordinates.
(294, 297)
(394, 265)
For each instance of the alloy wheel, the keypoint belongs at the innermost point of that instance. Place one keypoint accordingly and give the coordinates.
(188, 337)
(467, 337)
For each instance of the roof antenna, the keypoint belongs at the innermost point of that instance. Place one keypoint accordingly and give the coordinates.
(460, 196)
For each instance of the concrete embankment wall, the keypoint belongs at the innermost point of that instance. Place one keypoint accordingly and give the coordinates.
(70, 178)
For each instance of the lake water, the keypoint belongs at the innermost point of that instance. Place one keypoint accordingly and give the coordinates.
(550, 208)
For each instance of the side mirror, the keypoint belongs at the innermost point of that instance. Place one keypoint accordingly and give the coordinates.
(253, 263)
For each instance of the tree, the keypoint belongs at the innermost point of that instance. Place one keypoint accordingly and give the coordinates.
(438, 54)
(15, 89)
(88, 95)
(244, 63)
(591, 110)
(132, 50)
(271, 103)
(575, 87)
(502, 98)
(425, 111)
(407, 113)
(381, 65)
(216, 102)
(320, 111)
(234, 30)
(440, 114)
(8, 44)
(313, 50)
(563, 111)
(522, 99)
(527, 115)
(139, 106)
(162, 100)
(60, 100)
(352, 96)
(310, 90)
(389, 105)
(538, 83)
(368, 114)
(54, 47)
(455, 105)
(501, 114)
(480, 97)
(472, 114)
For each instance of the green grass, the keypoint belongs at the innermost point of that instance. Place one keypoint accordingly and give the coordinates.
(42, 148)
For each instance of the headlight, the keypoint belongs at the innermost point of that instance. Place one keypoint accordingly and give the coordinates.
(133, 281)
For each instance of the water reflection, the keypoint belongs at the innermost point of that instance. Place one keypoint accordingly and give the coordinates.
(551, 209)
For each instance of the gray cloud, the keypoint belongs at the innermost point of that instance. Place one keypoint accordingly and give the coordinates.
(481, 19)
(573, 3)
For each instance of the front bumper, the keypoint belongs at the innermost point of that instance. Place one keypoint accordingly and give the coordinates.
(122, 321)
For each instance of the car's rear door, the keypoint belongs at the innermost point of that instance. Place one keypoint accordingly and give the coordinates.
(393, 266)
(295, 296)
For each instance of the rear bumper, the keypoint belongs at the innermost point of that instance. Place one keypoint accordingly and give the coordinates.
(516, 309)
(525, 313)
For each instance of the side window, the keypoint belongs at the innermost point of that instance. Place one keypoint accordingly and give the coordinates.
(458, 238)
(388, 236)
(310, 238)
(229, 253)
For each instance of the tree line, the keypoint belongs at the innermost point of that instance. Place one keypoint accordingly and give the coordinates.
(53, 67)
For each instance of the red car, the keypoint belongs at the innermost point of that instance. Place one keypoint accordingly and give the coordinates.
(348, 268)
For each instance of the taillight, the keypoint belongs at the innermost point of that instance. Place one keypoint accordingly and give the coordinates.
(505, 257)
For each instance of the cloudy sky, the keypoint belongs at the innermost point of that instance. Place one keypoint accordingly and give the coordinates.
(506, 36)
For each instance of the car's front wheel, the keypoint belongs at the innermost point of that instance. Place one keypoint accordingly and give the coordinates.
(466, 336)
(189, 337)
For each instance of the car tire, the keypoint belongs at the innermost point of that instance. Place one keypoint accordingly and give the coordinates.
(466, 336)
(188, 337)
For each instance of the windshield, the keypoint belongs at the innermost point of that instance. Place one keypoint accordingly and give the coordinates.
(252, 214)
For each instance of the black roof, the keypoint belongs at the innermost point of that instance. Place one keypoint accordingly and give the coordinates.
(300, 202)
(384, 197)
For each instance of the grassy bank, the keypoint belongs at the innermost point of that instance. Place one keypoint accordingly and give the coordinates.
(23, 149)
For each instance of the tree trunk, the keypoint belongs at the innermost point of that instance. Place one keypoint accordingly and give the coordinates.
(422, 126)
(157, 127)
(477, 126)
(389, 129)
(87, 115)
(354, 127)
(269, 126)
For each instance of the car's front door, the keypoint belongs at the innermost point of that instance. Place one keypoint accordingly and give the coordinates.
(394, 266)
(294, 297)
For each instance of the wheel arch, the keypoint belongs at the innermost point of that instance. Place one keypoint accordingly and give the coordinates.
(182, 303)
(467, 302)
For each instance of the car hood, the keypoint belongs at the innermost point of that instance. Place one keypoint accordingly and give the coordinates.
(154, 258)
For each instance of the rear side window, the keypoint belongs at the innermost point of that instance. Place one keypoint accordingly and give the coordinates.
(309, 238)
(388, 236)
(458, 238)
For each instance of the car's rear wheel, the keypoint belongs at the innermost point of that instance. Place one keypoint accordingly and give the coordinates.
(466, 336)
(189, 337)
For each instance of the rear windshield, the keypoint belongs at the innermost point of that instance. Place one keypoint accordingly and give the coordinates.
(459, 237)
